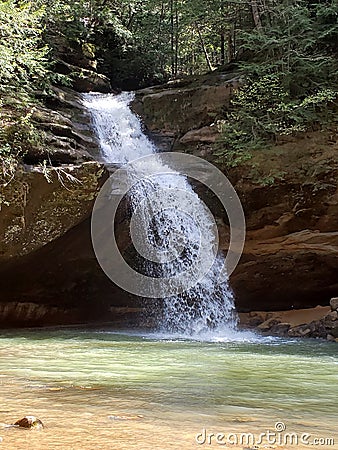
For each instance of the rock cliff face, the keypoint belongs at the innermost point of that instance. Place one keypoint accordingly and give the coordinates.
(48, 271)
(41, 210)
(176, 111)
(289, 194)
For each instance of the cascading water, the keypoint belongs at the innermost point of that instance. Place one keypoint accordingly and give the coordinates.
(171, 232)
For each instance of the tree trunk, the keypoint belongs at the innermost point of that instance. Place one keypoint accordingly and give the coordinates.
(160, 22)
(256, 14)
(172, 37)
(176, 40)
(204, 48)
(231, 43)
(222, 49)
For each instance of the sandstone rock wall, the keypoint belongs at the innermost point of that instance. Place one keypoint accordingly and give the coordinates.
(289, 194)
(48, 271)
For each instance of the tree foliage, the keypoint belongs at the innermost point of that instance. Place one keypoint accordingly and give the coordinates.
(137, 43)
(24, 70)
(285, 52)
(290, 76)
(23, 55)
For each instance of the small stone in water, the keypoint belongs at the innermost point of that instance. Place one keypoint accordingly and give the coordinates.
(30, 422)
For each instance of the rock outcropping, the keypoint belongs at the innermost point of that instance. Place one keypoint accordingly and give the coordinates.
(289, 194)
(48, 270)
(49, 273)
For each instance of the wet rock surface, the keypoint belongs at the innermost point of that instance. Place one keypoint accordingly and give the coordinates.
(30, 422)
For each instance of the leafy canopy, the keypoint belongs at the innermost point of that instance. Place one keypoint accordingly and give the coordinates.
(23, 55)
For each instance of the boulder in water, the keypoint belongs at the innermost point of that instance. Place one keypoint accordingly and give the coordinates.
(331, 338)
(29, 422)
(334, 331)
(334, 304)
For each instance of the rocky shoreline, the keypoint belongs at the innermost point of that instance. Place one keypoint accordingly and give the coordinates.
(319, 322)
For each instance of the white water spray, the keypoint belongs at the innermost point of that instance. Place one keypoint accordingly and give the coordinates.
(176, 241)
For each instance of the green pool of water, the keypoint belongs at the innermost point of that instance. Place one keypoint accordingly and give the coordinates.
(244, 383)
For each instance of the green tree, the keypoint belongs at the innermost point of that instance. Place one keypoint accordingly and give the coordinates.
(23, 56)
(289, 68)
(298, 41)
(24, 70)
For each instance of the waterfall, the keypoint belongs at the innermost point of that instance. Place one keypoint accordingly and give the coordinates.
(173, 233)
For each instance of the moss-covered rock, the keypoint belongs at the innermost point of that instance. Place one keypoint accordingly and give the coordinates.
(176, 109)
(44, 203)
(84, 80)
